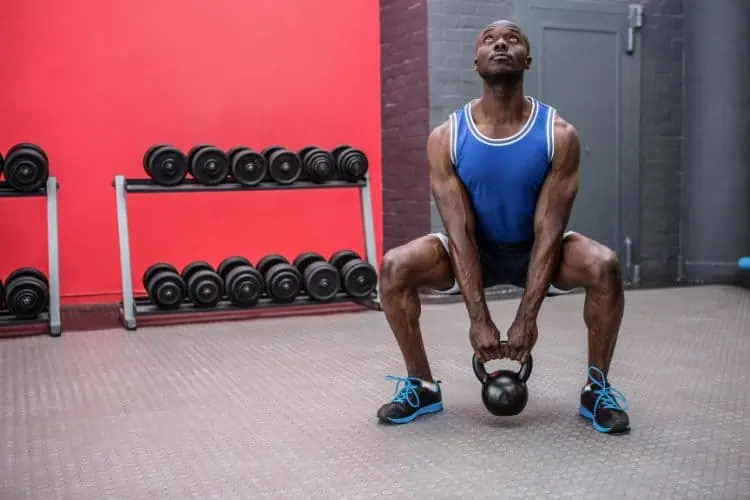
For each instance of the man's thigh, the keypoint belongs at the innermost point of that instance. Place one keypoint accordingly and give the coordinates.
(583, 261)
(556, 288)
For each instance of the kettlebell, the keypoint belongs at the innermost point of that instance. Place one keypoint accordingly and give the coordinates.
(504, 392)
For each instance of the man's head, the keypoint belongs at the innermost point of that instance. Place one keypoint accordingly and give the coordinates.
(502, 50)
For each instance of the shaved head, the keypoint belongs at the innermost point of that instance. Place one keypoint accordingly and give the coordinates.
(504, 23)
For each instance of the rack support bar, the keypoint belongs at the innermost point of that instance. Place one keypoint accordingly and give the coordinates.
(55, 327)
(128, 305)
(368, 223)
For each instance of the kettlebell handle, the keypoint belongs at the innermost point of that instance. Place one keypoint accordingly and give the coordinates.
(481, 373)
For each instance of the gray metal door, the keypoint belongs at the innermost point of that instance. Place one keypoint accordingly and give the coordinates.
(582, 65)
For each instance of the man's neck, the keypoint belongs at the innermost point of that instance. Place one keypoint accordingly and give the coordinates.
(503, 100)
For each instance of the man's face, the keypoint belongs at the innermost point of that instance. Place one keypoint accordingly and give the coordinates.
(502, 49)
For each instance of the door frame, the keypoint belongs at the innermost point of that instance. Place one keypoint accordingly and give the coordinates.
(628, 120)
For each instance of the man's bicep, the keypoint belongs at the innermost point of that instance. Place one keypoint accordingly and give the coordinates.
(443, 180)
(565, 166)
(561, 185)
(450, 199)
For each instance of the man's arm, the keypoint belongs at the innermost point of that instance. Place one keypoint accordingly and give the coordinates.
(454, 208)
(552, 213)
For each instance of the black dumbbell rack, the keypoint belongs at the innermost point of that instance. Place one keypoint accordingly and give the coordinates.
(52, 317)
(133, 307)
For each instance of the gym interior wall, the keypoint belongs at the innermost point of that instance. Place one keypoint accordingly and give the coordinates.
(96, 83)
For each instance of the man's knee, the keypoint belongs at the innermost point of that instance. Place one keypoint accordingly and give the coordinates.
(421, 262)
(604, 268)
(393, 269)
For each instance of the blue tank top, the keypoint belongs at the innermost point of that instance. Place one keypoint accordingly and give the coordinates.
(503, 177)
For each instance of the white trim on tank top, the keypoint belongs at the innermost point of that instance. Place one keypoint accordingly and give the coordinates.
(551, 133)
(453, 127)
(503, 141)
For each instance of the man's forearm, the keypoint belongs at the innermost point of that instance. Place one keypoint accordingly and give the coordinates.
(545, 254)
(468, 271)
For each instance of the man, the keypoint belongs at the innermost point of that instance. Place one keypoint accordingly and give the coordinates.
(503, 171)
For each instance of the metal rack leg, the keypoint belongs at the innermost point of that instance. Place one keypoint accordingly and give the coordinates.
(128, 305)
(55, 326)
(368, 222)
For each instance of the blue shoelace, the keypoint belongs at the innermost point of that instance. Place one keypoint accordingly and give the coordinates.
(407, 393)
(607, 397)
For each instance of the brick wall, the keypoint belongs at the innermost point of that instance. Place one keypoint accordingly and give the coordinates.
(661, 140)
(405, 116)
(453, 25)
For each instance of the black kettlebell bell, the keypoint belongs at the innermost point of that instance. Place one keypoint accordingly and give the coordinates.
(504, 392)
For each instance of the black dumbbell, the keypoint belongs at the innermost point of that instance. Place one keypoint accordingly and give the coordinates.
(208, 164)
(284, 166)
(164, 285)
(165, 164)
(243, 284)
(317, 165)
(322, 280)
(26, 292)
(351, 163)
(26, 167)
(247, 167)
(283, 281)
(358, 278)
(205, 288)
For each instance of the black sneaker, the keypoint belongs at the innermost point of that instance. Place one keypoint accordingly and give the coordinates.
(412, 399)
(603, 405)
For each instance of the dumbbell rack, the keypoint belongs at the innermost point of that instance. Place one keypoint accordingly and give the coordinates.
(132, 307)
(52, 317)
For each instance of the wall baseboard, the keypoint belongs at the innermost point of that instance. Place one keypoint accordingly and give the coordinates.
(88, 317)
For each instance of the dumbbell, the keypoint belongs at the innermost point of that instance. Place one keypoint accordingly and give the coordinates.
(351, 163)
(165, 164)
(284, 166)
(247, 167)
(205, 287)
(322, 280)
(208, 164)
(358, 278)
(317, 165)
(283, 281)
(26, 292)
(26, 167)
(243, 284)
(164, 285)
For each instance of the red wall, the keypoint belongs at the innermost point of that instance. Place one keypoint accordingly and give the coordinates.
(97, 82)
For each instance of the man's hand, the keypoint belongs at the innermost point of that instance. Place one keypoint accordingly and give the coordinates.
(485, 339)
(522, 336)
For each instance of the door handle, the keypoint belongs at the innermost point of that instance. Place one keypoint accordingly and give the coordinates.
(635, 20)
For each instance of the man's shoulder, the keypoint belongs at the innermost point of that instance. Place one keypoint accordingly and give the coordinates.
(565, 137)
(439, 136)
(563, 130)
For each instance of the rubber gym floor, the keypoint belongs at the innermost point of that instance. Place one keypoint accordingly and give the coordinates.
(285, 408)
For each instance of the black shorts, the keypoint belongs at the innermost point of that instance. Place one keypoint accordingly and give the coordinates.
(501, 264)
